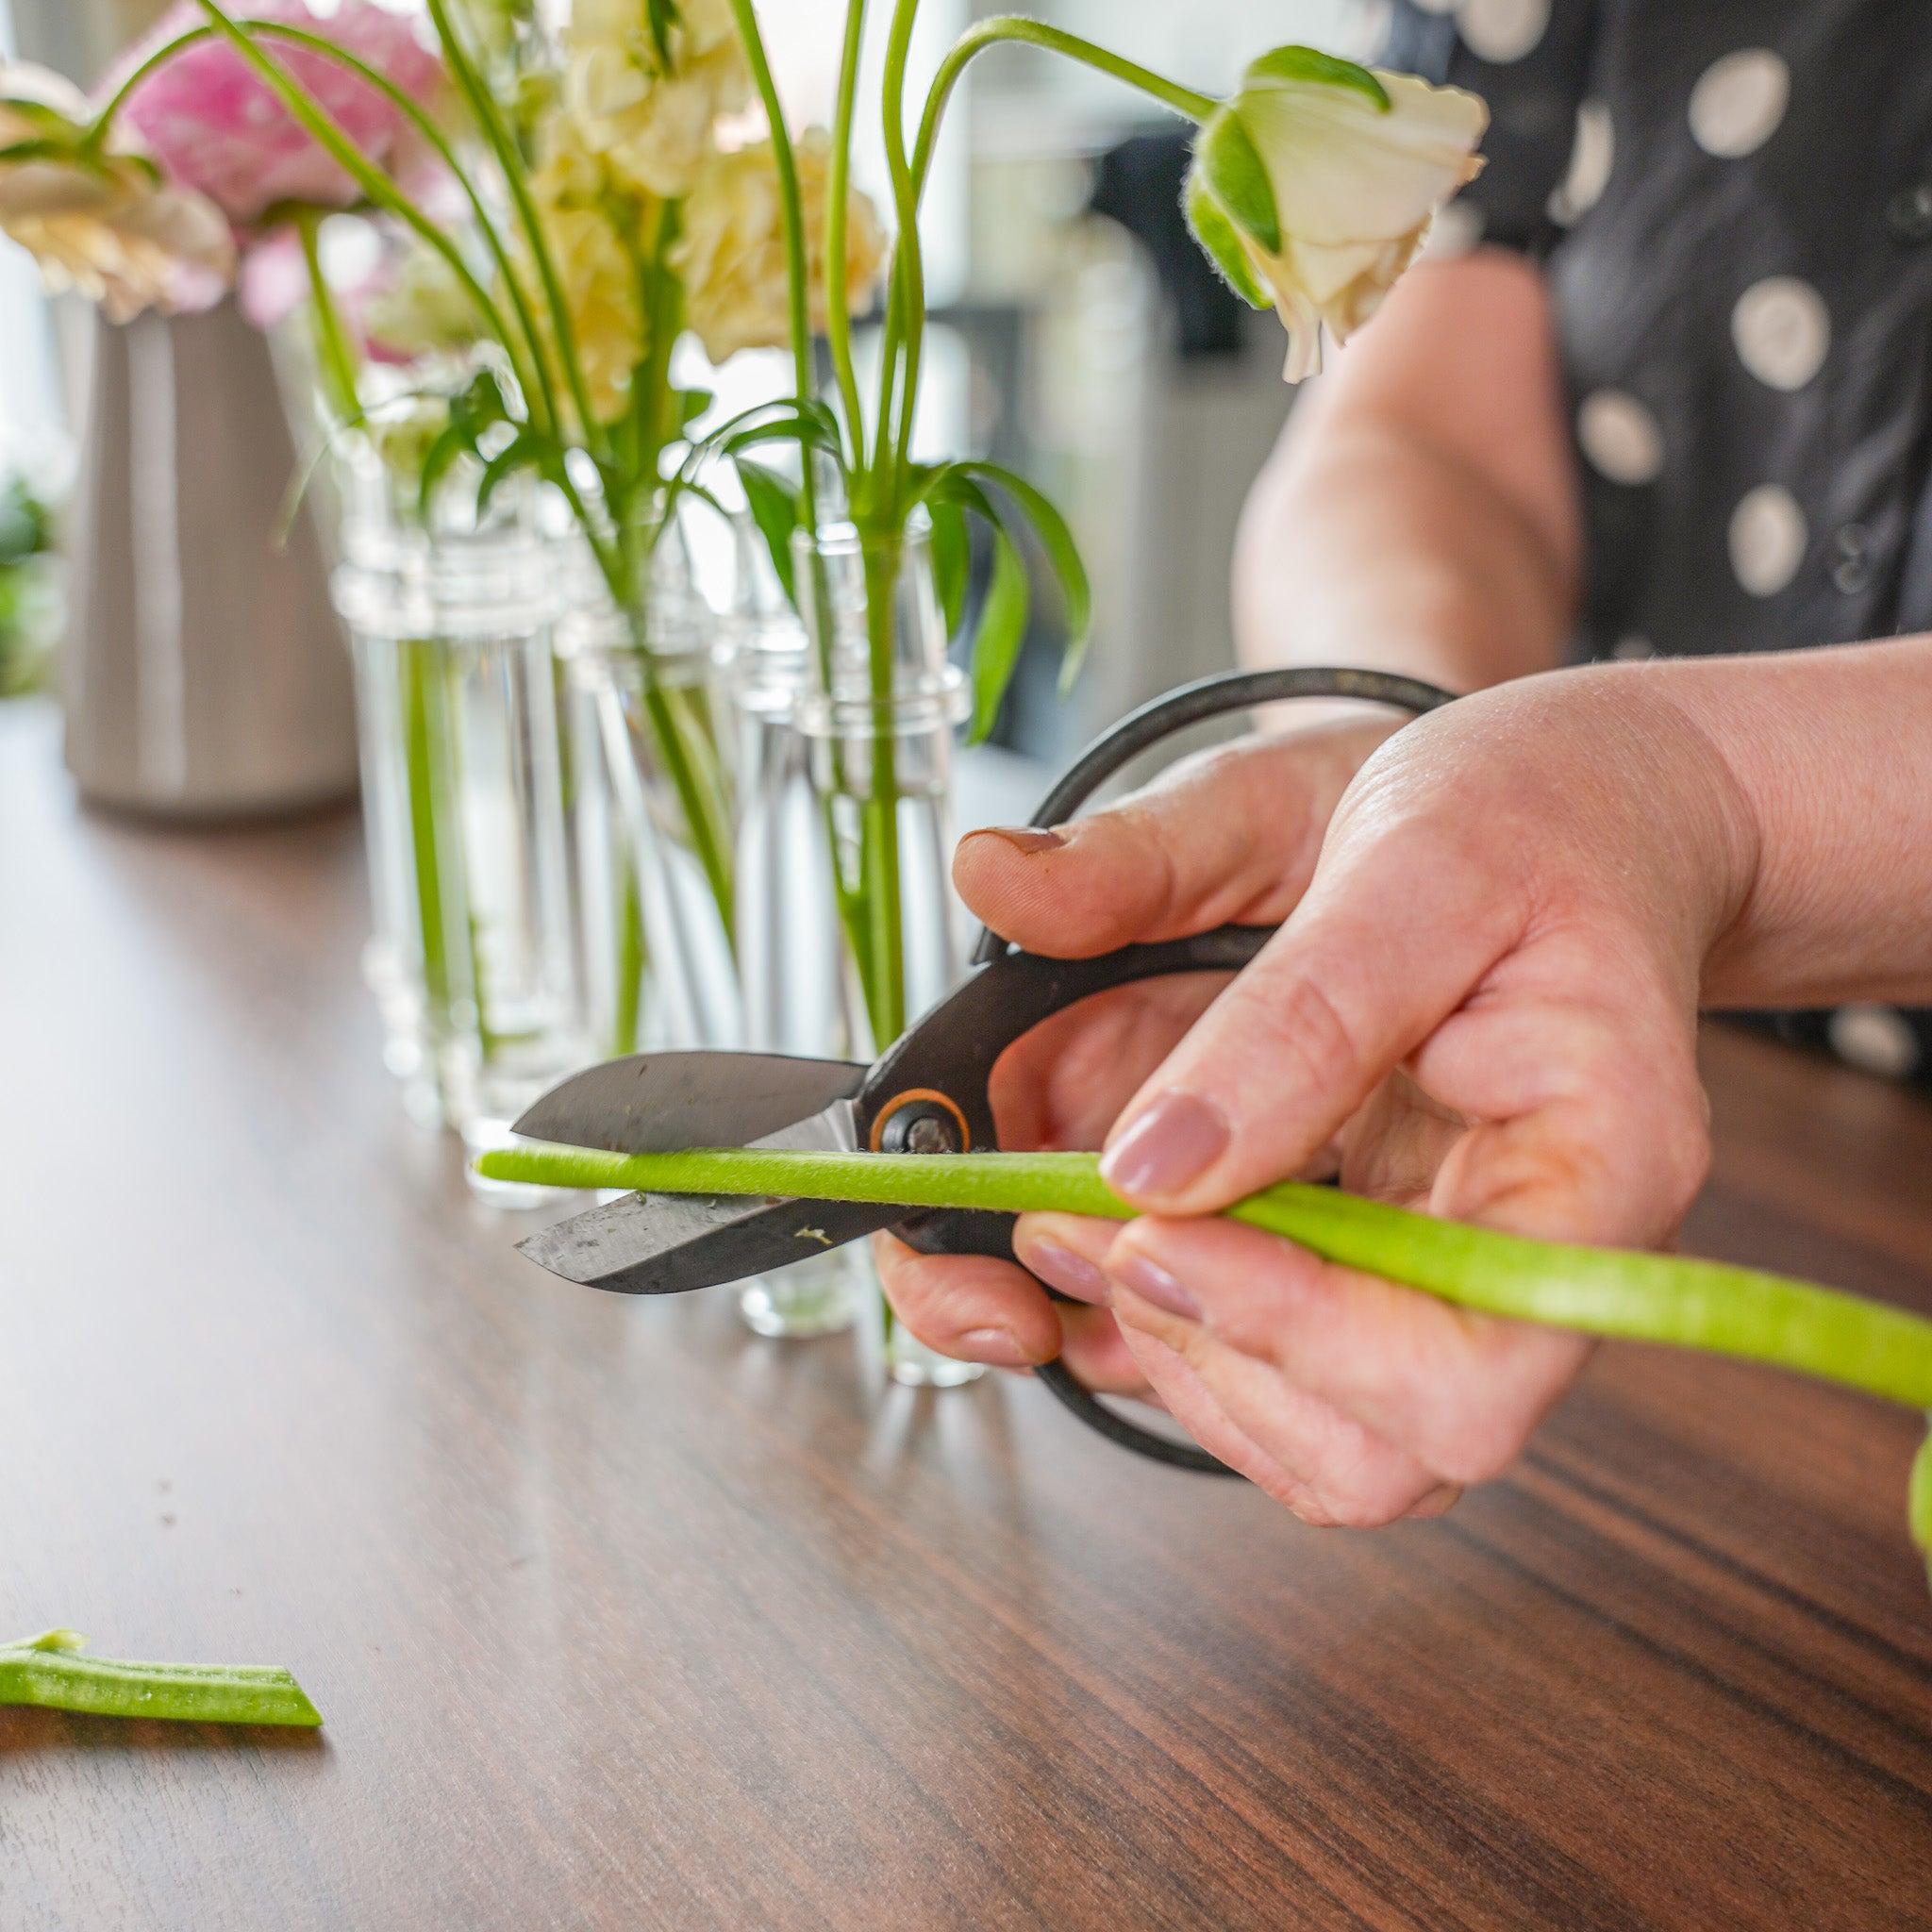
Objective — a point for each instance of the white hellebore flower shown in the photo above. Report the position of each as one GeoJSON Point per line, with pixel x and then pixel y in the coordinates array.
{"type": "Point", "coordinates": [1316, 184]}
{"type": "Point", "coordinates": [101, 222]}
{"type": "Point", "coordinates": [731, 255]}
{"type": "Point", "coordinates": [646, 81]}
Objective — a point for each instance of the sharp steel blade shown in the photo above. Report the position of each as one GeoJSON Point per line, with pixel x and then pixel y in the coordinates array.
{"type": "Point", "coordinates": [657, 1102]}
{"type": "Point", "coordinates": [667, 1243]}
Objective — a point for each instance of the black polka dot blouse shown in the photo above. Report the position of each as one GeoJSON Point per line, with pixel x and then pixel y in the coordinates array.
{"type": "Point", "coordinates": [1732, 202]}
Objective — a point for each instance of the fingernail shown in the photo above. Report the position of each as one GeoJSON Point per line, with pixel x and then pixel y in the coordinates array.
{"type": "Point", "coordinates": [1152, 1283]}
{"type": "Point", "coordinates": [994, 1345]}
{"type": "Point", "coordinates": [1171, 1143]}
{"type": "Point", "coordinates": [1070, 1273]}
{"type": "Point", "coordinates": [1028, 839]}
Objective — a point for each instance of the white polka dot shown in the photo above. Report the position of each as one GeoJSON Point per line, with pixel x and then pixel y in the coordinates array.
{"type": "Point", "coordinates": [1457, 229]}
{"type": "Point", "coordinates": [1782, 329]}
{"type": "Point", "coordinates": [1590, 157]}
{"type": "Point", "coordinates": [1876, 1039]}
{"type": "Point", "coordinates": [1739, 101]}
{"type": "Point", "coordinates": [1768, 539]}
{"type": "Point", "coordinates": [1620, 437]}
{"type": "Point", "coordinates": [1632, 650]}
{"type": "Point", "coordinates": [1502, 30]}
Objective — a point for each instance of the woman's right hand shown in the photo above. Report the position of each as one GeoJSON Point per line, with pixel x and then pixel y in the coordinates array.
{"type": "Point", "coordinates": [1229, 837]}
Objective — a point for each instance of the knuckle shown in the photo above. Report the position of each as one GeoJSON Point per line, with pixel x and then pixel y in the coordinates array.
{"type": "Point", "coordinates": [1304, 1024]}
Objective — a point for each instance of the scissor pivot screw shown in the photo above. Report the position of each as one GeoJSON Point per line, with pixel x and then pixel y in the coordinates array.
{"type": "Point", "coordinates": [920, 1122]}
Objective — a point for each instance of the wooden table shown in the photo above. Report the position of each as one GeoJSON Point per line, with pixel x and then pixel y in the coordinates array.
{"type": "Point", "coordinates": [620, 1617]}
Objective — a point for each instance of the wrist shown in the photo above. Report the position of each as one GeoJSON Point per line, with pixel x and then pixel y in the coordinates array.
{"type": "Point", "coordinates": [1827, 750]}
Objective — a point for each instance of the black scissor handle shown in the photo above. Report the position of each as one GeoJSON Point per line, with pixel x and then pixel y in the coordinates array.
{"type": "Point", "coordinates": [1195, 704]}
{"type": "Point", "coordinates": [952, 1050]}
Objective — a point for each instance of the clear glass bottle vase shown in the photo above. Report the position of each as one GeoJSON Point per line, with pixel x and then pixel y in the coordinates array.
{"type": "Point", "coordinates": [789, 950]}
{"type": "Point", "coordinates": [647, 680]}
{"type": "Point", "coordinates": [451, 623]}
{"type": "Point", "coordinates": [879, 713]}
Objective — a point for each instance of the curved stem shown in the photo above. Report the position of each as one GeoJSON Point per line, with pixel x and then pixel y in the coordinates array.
{"type": "Point", "coordinates": [102, 125]}
{"type": "Point", "coordinates": [374, 183]}
{"type": "Point", "coordinates": [511, 164]}
{"type": "Point", "coordinates": [1642, 1297]}
{"type": "Point", "coordinates": [791, 202]}
{"type": "Point", "coordinates": [905, 304]}
{"type": "Point", "coordinates": [838, 324]}
{"type": "Point", "coordinates": [988, 33]}
{"type": "Point", "coordinates": [1012, 26]}
{"type": "Point", "coordinates": [536, 381]}
{"type": "Point", "coordinates": [335, 361]}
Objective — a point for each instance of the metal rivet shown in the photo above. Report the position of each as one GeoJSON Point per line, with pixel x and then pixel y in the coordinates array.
{"type": "Point", "coordinates": [1908, 214]}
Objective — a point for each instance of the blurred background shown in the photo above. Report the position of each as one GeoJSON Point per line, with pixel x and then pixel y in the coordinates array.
{"type": "Point", "coordinates": [1080, 339]}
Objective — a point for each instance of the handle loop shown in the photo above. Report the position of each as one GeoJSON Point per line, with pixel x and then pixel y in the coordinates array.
{"type": "Point", "coordinates": [1192, 704]}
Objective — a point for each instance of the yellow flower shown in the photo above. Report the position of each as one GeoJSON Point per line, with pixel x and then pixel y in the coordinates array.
{"type": "Point", "coordinates": [1317, 183]}
{"type": "Point", "coordinates": [650, 116]}
{"type": "Point", "coordinates": [576, 202]}
{"type": "Point", "coordinates": [731, 255]}
{"type": "Point", "coordinates": [101, 223]}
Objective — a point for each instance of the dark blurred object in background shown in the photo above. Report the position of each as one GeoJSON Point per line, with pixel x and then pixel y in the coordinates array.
{"type": "Point", "coordinates": [1139, 184]}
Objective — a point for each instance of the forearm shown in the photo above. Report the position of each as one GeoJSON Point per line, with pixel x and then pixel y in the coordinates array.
{"type": "Point", "coordinates": [1420, 514]}
{"type": "Point", "coordinates": [1832, 752]}
{"type": "Point", "coordinates": [1363, 545]}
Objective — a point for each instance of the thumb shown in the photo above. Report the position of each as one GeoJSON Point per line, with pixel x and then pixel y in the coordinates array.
{"type": "Point", "coordinates": [1232, 835]}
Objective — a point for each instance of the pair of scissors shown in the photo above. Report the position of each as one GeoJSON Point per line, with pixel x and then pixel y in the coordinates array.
{"type": "Point", "coordinates": [926, 1093]}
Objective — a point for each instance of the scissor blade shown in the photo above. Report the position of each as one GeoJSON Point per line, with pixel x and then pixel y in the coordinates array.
{"type": "Point", "coordinates": [667, 1243]}
{"type": "Point", "coordinates": [657, 1102]}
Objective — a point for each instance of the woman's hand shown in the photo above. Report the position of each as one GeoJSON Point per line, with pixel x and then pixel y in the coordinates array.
{"type": "Point", "coordinates": [1485, 1002]}
{"type": "Point", "coordinates": [1230, 836]}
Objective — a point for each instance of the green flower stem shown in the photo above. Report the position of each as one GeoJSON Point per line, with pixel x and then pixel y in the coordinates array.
{"type": "Point", "coordinates": [535, 380]}
{"type": "Point", "coordinates": [374, 184]}
{"type": "Point", "coordinates": [1667, 1298]}
{"type": "Point", "coordinates": [883, 940]}
{"type": "Point", "coordinates": [335, 360]}
{"type": "Point", "coordinates": [692, 764]}
{"type": "Point", "coordinates": [905, 309]}
{"type": "Point", "coordinates": [906, 303]}
{"type": "Point", "coordinates": [1032, 33]}
{"type": "Point", "coordinates": [797, 281]}
{"type": "Point", "coordinates": [791, 202]}
{"type": "Point", "coordinates": [1709, 1305]}
{"type": "Point", "coordinates": [435, 847]}
{"type": "Point", "coordinates": [511, 164]}
{"type": "Point", "coordinates": [47, 1672]}
{"type": "Point", "coordinates": [102, 125]}
{"type": "Point", "coordinates": [838, 324]}
{"type": "Point", "coordinates": [630, 959]}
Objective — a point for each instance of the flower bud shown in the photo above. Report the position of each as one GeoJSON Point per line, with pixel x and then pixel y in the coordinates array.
{"type": "Point", "coordinates": [1314, 187]}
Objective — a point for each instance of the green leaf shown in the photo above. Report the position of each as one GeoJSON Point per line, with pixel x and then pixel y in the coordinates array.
{"type": "Point", "coordinates": [775, 510]}
{"type": "Point", "coordinates": [691, 404]}
{"type": "Point", "coordinates": [952, 559]}
{"type": "Point", "coordinates": [1322, 69]}
{"type": "Point", "coordinates": [1221, 242]}
{"type": "Point", "coordinates": [518, 453]}
{"type": "Point", "coordinates": [1055, 538]}
{"type": "Point", "coordinates": [806, 430]}
{"type": "Point", "coordinates": [1227, 154]}
{"type": "Point", "coordinates": [1002, 631]}
{"type": "Point", "coordinates": [448, 447]}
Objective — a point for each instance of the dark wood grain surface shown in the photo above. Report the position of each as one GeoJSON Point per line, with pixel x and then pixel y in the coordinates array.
{"type": "Point", "coordinates": [620, 1617]}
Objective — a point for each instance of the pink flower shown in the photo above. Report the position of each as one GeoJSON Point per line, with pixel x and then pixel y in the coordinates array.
{"type": "Point", "coordinates": [216, 126]}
